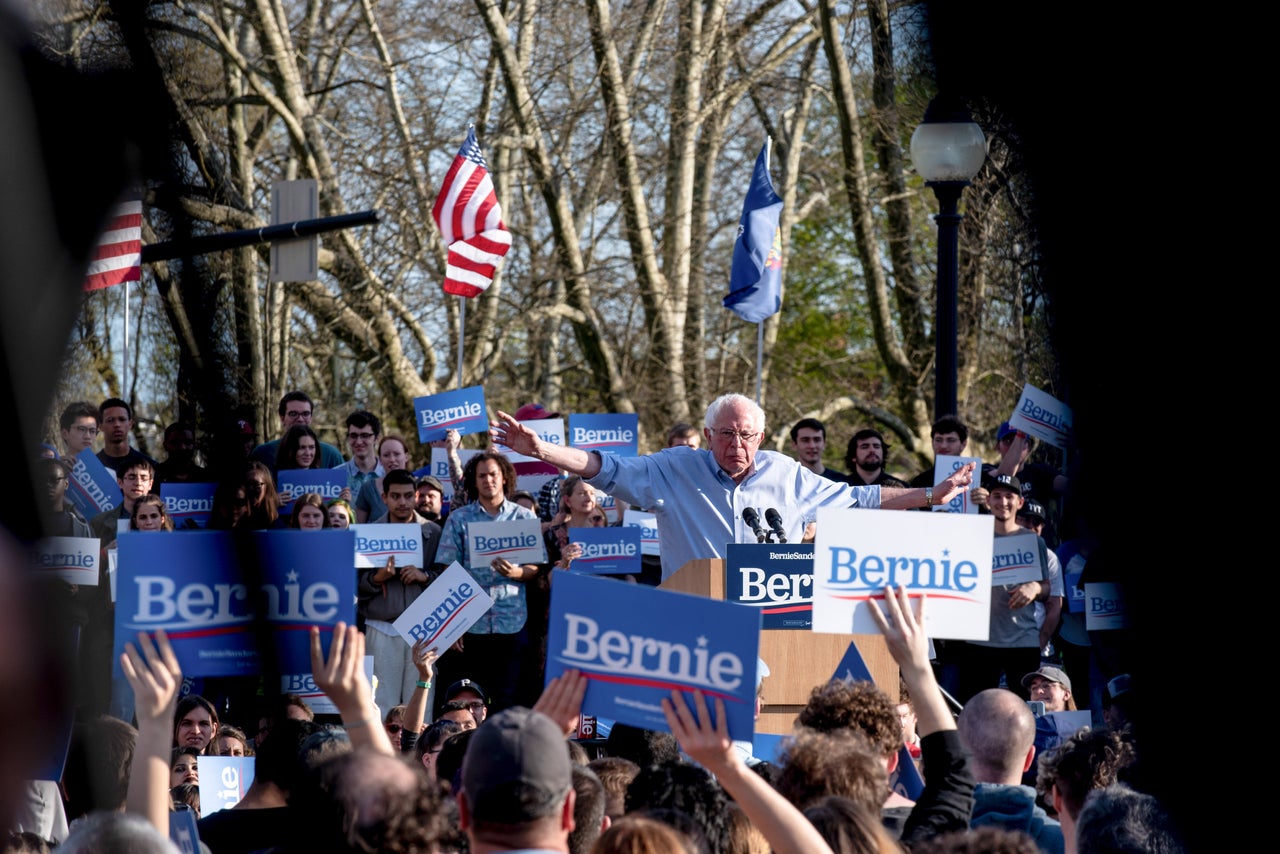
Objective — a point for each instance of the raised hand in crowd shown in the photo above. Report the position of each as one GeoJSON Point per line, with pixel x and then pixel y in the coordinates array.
{"type": "Point", "coordinates": [784, 827]}
{"type": "Point", "coordinates": [561, 700]}
{"type": "Point", "coordinates": [424, 661]}
{"type": "Point", "coordinates": [341, 677]}
{"type": "Point", "coordinates": [153, 673]}
{"type": "Point", "coordinates": [902, 625]}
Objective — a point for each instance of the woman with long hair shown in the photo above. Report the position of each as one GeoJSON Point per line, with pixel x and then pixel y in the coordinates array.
{"type": "Point", "coordinates": [230, 505]}
{"type": "Point", "coordinates": [393, 453]}
{"type": "Point", "coordinates": [299, 449]}
{"type": "Point", "coordinates": [340, 514]}
{"type": "Point", "coordinates": [309, 513]}
{"type": "Point", "coordinates": [264, 501]}
{"type": "Point", "coordinates": [150, 514]}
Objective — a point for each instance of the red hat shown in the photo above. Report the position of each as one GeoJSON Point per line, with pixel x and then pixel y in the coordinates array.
{"type": "Point", "coordinates": [534, 412]}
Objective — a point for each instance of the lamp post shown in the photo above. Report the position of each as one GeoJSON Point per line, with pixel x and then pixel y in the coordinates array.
{"type": "Point", "coordinates": [948, 149]}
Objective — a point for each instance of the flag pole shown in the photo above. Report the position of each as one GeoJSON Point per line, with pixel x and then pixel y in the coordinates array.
{"type": "Point", "coordinates": [759, 360]}
{"type": "Point", "coordinates": [462, 333]}
{"type": "Point", "coordinates": [124, 388]}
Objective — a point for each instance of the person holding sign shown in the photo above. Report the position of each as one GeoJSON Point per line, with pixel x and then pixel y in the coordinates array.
{"type": "Point", "coordinates": [495, 645]}
{"type": "Point", "coordinates": [295, 408]}
{"type": "Point", "coordinates": [384, 593]}
{"type": "Point", "coordinates": [298, 450]}
{"type": "Point", "coordinates": [699, 496]}
{"type": "Point", "coordinates": [1013, 643]}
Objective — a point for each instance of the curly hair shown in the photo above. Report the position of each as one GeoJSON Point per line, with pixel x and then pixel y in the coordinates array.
{"type": "Point", "coordinates": [848, 704]}
{"type": "Point", "coordinates": [688, 789]}
{"type": "Point", "coordinates": [841, 762]}
{"type": "Point", "coordinates": [1090, 759]}
{"type": "Point", "coordinates": [504, 464]}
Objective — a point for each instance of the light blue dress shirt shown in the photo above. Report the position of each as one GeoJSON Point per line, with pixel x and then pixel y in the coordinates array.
{"type": "Point", "coordinates": [509, 612]}
{"type": "Point", "coordinates": [699, 507]}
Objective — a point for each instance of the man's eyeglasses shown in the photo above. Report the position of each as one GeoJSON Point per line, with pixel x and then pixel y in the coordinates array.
{"type": "Point", "coordinates": [298, 414]}
{"type": "Point", "coordinates": [352, 437]}
{"type": "Point", "coordinates": [477, 706]}
{"type": "Point", "coordinates": [746, 436]}
{"type": "Point", "coordinates": [138, 478]}
{"type": "Point", "coordinates": [85, 429]}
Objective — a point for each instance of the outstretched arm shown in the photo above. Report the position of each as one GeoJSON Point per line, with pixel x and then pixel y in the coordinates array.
{"type": "Point", "coordinates": [519, 438]}
{"type": "Point", "coordinates": [153, 673]}
{"type": "Point", "coordinates": [784, 826]}
{"type": "Point", "coordinates": [892, 498]}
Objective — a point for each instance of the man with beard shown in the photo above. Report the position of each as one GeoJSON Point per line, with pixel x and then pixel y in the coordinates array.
{"type": "Point", "coordinates": [809, 441]}
{"type": "Point", "coordinates": [865, 459]}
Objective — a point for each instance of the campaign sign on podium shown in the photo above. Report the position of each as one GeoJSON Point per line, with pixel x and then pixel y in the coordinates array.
{"type": "Point", "coordinates": [636, 645]}
{"type": "Point", "coordinates": [777, 580]}
{"type": "Point", "coordinates": [946, 556]}
{"type": "Point", "coordinates": [193, 587]}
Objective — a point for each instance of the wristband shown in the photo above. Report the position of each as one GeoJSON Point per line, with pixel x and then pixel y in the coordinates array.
{"type": "Point", "coordinates": [355, 724]}
{"type": "Point", "coordinates": [424, 685]}
{"type": "Point", "coordinates": [928, 496]}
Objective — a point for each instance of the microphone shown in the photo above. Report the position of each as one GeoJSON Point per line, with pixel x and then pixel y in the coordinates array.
{"type": "Point", "coordinates": [774, 518]}
{"type": "Point", "coordinates": [752, 518]}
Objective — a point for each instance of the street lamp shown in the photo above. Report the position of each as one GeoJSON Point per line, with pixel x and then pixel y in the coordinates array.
{"type": "Point", "coordinates": [948, 149]}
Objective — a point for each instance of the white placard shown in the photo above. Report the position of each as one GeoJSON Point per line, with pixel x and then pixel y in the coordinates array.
{"type": "Point", "coordinates": [440, 467]}
{"type": "Point", "coordinates": [445, 610]}
{"type": "Point", "coordinates": [516, 540]}
{"type": "Point", "coordinates": [72, 559]}
{"type": "Point", "coordinates": [548, 430]}
{"type": "Point", "coordinates": [315, 698]}
{"type": "Point", "coordinates": [376, 543]}
{"type": "Point", "coordinates": [946, 556]}
{"type": "Point", "coordinates": [1043, 416]}
{"type": "Point", "coordinates": [1104, 607]}
{"type": "Point", "coordinates": [648, 525]}
{"type": "Point", "coordinates": [1016, 559]}
{"type": "Point", "coordinates": [946, 465]}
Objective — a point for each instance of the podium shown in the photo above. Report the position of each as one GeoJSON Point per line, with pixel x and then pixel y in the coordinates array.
{"type": "Point", "coordinates": [798, 659]}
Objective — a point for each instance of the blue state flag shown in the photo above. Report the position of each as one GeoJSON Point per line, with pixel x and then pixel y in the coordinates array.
{"type": "Point", "coordinates": [852, 666]}
{"type": "Point", "coordinates": [755, 281]}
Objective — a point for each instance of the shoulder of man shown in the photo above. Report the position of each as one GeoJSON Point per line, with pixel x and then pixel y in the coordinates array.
{"type": "Point", "coordinates": [330, 457]}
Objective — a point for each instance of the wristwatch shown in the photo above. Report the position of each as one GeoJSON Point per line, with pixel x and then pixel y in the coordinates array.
{"type": "Point", "coordinates": [928, 496]}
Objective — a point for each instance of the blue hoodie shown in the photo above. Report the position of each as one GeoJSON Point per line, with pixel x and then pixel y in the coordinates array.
{"type": "Point", "coordinates": [1014, 808]}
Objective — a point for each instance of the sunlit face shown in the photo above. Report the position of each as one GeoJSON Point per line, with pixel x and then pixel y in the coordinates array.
{"type": "Point", "coordinates": [306, 454]}
{"type": "Point", "coordinates": [360, 439]}
{"type": "Point", "coordinates": [474, 702]}
{"type": "Point", "coordinates": [135, 484]}
{"type": "Point", "coordinates": [80, 435]}
{"type": "Point", "coordinates": [339, 517]}
{"type": "Point", "coordinates": [229, 745]}
{"type": "Point", "coordinates": [148, 517]}
{"type": "Point", "coordinates": [489, 482]}
{"type": "Point", "coordinates": [869, 453]}
{"type": "Point", "coordinates": [734, 439]}
{"type": "Point", "coordinates": [400, 499]}
{"type": "Point", "coordinates": [583, 499]}
{"type": "Point", "coordinates": [1052, 694]}
{"type": "Point", "coordinates": [908, 720]}
{"type": "Point", "coordinates": [809, 445]}
{"type": "Point", "coordinates": [393, 455]}
{"type": "Point", "coordinates": [948, 444]}
{"type": "Point", "coordinates": [183, 770]}
{"type": "Point", "coordinates": [1004, 503]}
{"type": "Point", "coordinates": [196, 729]}
{"type": "Point", "coordinates": [310, 518]}
{"type": "Point", "coordinates": [115, 425]}
{"type": "Point", "coordinates": [295, 412]}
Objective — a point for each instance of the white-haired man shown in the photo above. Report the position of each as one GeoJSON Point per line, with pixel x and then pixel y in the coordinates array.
{"type": "Point", "coordinates": [699, 495]}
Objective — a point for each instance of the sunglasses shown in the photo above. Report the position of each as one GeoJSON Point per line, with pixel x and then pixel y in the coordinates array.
{"type": "Point", "coordinates": [394, 728]}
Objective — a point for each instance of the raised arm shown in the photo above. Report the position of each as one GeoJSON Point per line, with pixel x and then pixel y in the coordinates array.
{"type": "Point", "coordinates": [519, 438]}
{"type": "Point", "coordinates": [415, 712]}
{"type": "Point", "coordinates": [784, 827]}
{"type": "Point", "coordinates": [342, 678]}
{"type": "Point", "coordinates": [154, 675]}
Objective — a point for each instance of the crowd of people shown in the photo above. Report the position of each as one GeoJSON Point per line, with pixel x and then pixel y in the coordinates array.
{"type": "Point", "coordinates": [491, 762]}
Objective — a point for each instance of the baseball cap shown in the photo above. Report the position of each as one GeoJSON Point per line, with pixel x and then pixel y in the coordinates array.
{"type": "Point", "coordinates": [465, 685]}
{"type": "Point", "coordinates": [516, 749]}
{"type": "Point", "coordinates": [1005, 481]}
{"type": "Point", "coordinates": [1004, 430]}
{"type": "Point", "coordinates": [245, 428]}
{"type": "Point", "coordinates": [428, 480]}
{"type": "Point", "coordinates": [1053, 674]}
{"type": "Point", "coordinates": [1033, 508]}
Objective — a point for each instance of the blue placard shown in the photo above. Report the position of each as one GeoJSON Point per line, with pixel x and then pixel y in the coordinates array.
{"type": "Point", "coordinates": [193, 587]}
{"type": "Point", "coordinates": [327, 483]}
{"type": "Point", "coordinates": [611, 433]}
{"type": "Point", "coordinates": [224, 780]}
{"type": "Point", "coordinates": [906, 780]}
{"type": "Point", "coordinates": [1071, 574]}
{"type": "Point", "coordinates": [606, 551]}
{"type": "Point", "coordinates": [637, 644]}
{"type": "Point", "coordinates": [462, 410]}
{"type": "Point", "coordinates": [183, 831]}
{"type": "Point", "coordinates": [189, 504]}
{"type": "Point", "coordinates": [777, 580]}
{"type": "Point", "coordinates": [92, 487]}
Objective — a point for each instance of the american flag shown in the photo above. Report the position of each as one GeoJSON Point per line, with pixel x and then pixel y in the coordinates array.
{"type": "Point", "coordinates": [118, 256]}
{"type": "Point", "coordinates": [470, 221]}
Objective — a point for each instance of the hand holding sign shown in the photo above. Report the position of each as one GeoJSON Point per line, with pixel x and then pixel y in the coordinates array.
{"type": "Point", "coordinates": [424, 660]}
{"type": "Point", "coordinates": [956, 483]}
{"type": "Point", "coordinates": [1023, 595]}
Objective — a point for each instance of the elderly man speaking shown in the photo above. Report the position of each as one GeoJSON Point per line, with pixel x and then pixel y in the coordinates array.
{"type": "Point", "coordinates": [699, 495]}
